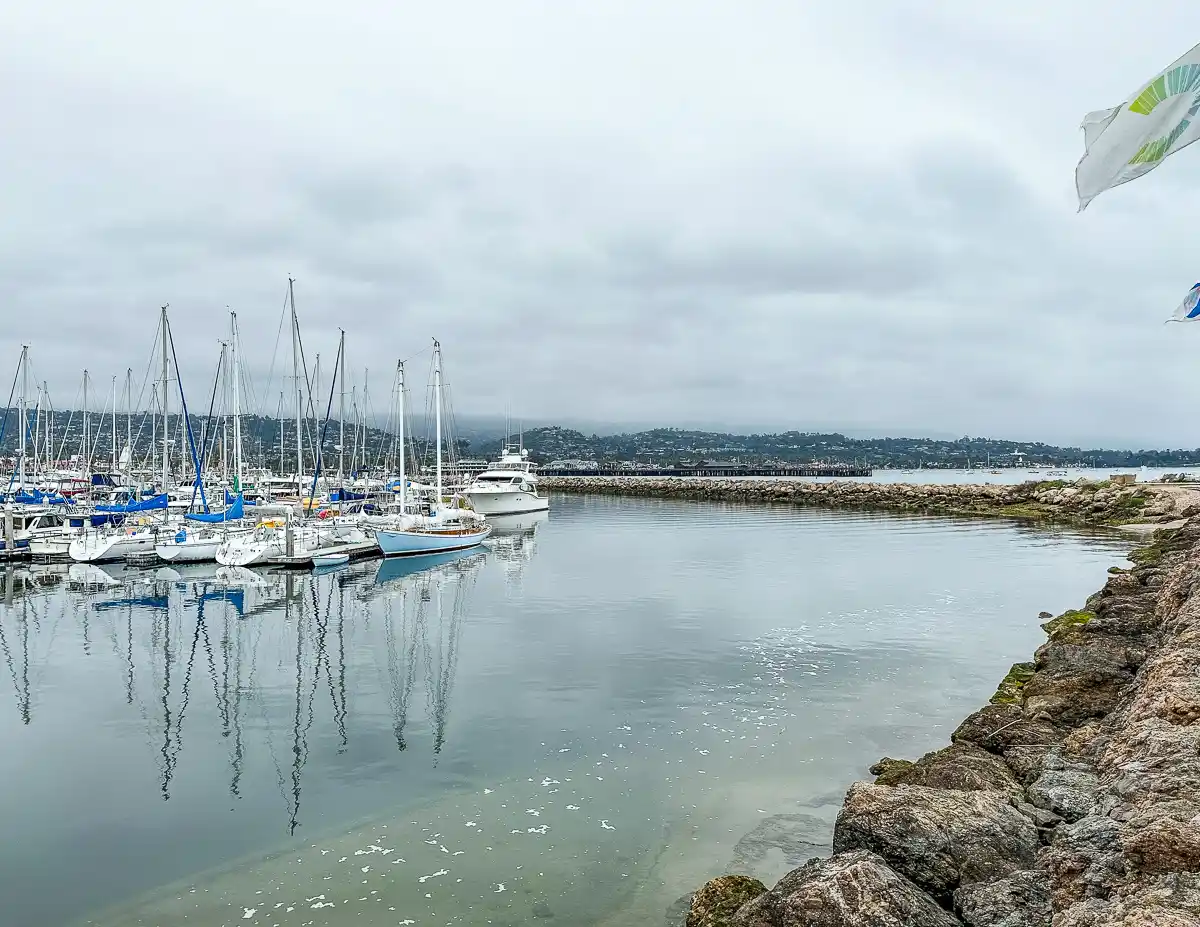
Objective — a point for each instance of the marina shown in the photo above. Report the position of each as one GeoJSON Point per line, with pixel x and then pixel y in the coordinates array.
{"type": "Point", "coordinates": [199, 501]}
{"type": "Point", "coordinates": [281, 735]}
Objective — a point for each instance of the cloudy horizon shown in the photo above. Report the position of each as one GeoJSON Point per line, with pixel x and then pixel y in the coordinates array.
{"type": "Point", "coordinates": [761, 215]}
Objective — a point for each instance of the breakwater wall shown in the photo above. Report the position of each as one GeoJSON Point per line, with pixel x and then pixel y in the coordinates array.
{"type": "Point", "coordinates": [1072, 799]}
{"type": "Point", "coordinates": [1082, 501]}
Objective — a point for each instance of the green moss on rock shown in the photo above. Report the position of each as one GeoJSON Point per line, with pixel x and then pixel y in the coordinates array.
{"type": "Point", "coordinates": [889, 771]}
{"type": "Point", "coordinates": [716, 903]}
{"type": "Point", "coordinates": [1160, 544]}
{"type": "Point", "coordinates": [1009, 690]}
{"type": "Point", "coordinates": [1071, 618]}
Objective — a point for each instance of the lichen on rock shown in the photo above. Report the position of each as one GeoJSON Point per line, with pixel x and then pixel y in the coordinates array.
{"type": "Point", "coordinates": [1009, 690]}
{"type": "Point", "coordinates": [719, 899]}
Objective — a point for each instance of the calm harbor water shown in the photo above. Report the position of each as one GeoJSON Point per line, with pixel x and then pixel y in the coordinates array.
{"type": "Point", "coordinates": [575, 726]}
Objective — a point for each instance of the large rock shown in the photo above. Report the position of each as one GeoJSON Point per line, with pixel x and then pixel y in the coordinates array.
{"type": "Point", "coordinates": [1164, 846]}
{"type": "Point", "coordinates": [1073, 695]}
{"type": "Point", "coordinates": [720, 898]}
{"type": "Point", "coordinates": [849, 890]}
{"type": "Point", "coordinates": [1084, 861]}
{"type": "Point", "coordinates": [1021, 900]}
{"type": "Point", "coordinates": [961, 766]}
{"type": "Point", "coordinates": [997, 727]}
{"type": "Point", "coordinates": [938, 838]}
{"type": "Point", "coordinates": [1070, 790]}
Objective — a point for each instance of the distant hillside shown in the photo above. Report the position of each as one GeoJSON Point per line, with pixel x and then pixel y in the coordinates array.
{"type": "Point", "coordinates": [662, 446]}
{"type": "Point", "coordinates": [670, 445]}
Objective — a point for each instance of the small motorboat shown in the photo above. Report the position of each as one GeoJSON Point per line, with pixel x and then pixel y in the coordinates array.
{"type": "Point", "coordinates": [330, 560]}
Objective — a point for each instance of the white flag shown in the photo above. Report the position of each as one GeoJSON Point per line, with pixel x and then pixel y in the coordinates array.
{"type": "Point", "coordinates": [1127, 141]}
{"type": "Point", "coordinates": [1189, 309]}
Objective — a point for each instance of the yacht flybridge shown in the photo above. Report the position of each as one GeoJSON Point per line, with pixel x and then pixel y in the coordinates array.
{"type": "Point", "coordinates": [508, 486]}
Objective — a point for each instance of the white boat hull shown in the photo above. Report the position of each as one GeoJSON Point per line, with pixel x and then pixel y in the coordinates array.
{"type": "Point", "coordinates": [193, 550]}
{"type": "Point", "coordinates": [245, 552]}
{"type": "Point", "coordinates": [421, 543]}
{"type": "Point", "coordinates": [51, 545]}
{"type": "Point", "coordinates": [509, 502]}
{"type": "Point", "coordinates": [105, 548]}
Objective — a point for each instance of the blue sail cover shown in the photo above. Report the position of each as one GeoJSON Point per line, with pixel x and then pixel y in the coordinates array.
{"type": "Point", "coordinates": [37, 497]}
{"type": "Point", "coordinates": [233, 513]}
{"type": "Point", "coordinates": [230, 498]}
{"type": "Point", "coordinates": [146, 505]}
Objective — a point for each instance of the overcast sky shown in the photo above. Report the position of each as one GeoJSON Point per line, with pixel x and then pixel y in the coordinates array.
{"type": "Point", "coordinates": [764, 214]}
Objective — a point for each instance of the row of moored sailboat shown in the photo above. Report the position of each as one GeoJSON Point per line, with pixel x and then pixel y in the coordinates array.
{"type": "Point", "coordinates": [315, 516]}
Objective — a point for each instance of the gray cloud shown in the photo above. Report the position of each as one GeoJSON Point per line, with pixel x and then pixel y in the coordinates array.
{"type": "Point", "coordinates": [764, 215]}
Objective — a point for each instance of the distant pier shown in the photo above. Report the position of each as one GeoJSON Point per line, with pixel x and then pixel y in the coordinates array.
{"type": "Point", "coordinates": [810, 472]}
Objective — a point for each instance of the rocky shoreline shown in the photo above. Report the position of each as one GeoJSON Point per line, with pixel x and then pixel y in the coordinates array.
{"type": "Point", "coordinates": [1079, 502]}
{"type": "Point", "coordinates": [1072, 799]}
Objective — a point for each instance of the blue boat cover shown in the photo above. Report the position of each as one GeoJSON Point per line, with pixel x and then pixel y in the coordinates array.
{"type": "Point", "coordinates": [233, 513]}
{"type": "Point", "coordinates": [154, 502]}
{"type": "Point", "coordinates": [37, 497]}
{"type": "Point", "coordinates": [230, 498]}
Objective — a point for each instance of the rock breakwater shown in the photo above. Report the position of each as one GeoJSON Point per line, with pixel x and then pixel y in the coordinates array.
{"type": "Point", "coordinates": [1080, 502]}
{"type": "Point", "coordinates": [1071, 800]}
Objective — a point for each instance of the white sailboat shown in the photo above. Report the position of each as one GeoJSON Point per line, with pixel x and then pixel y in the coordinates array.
{"type": "Point", "coordinates": [139, 533]}
{"type": "Point", "coordinates": [448, 527]}
{"type": "Point", "coordinates": [201, 536]}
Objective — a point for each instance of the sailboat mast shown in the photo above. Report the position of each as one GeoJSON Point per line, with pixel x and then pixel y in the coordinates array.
{"type": "Point", "coordinates": [49, 423]}
{"type": "Point", "coordinates": [129, 416]}
{"type": "Point", "coordinates": [237, 403]}
{"type": "Point", "coordinates": [153, 425]}
{"type": "Point", "coordinates": [37, 434]}
{"type": "Point", "coordinates": [166, 376]}
{"type": "Point", "coordinates": [24, 408]}
{"type": "Point", "coordinates": [87, 430]}
{"type": "Point", "coordinates": [299, 391]}
{"type": "Point", "coordinates": [400, 435]}
{"type": "Point", "coordinates": [342, 413]}
{"type": "Point", "coordinates": [437, 414]}
{"type": "Point", "coordinates": [224, 414]}
{"type": "Point", "coordinates": [113, 419]}
{"type": "Point", "coordinates": [281, 463]}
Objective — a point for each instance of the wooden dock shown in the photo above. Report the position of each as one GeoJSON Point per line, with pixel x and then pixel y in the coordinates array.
{"type": "Point", "coordinates": [359, 550]}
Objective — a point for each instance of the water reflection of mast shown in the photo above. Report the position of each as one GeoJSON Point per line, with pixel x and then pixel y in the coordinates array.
{"type": "Point", "coordinates": [401, 685]}
{"type": "Point", "coordinates": [20, 684]}
{"type": "Point", "coordinates": [440, 678]}
{"type": "Point", "coordinates": [173, 743]}
{"type": "Point", "coordinates": [300, 730]}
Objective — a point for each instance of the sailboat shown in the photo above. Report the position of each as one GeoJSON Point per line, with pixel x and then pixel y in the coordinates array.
{"type": "Point", "coordinates": [134, 535]}
{"type": "Point", "coordinates": [203, 533]}
{"type": "Point", "coordinates": [273, 538]}
{"type": "Point", "coordinates": [284, 540]}
{"type": "Point", "coordinates": [448, 527]}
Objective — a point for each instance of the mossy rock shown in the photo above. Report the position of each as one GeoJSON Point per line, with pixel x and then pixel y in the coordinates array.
{"type": "Point", "coordinates": [889, 771]}
{"type": "Point", "coordinates": [1009, 690]}
{"type": "Point", "coordinates": [716, 903]}
{"type": "Point", "coordinates": [1029, 511]}
{"type": "Point", "coordinates": [1071, 618]}
{"type": "Point", "coordinates": [1160, 545]}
